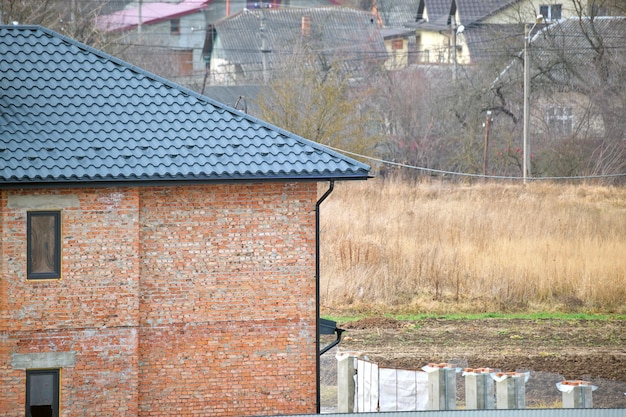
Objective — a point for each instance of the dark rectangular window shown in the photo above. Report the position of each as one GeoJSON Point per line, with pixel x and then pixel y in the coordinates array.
{"type": "Point", "coordinates": [175, 26]}
{"type": "Point", "coordinates": [43, 253]}
{"type": "Point", "coordinates": [42, 393]}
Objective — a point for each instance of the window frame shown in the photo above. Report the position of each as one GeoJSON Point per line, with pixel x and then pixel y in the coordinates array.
{"type": "Point", "coordinates": [560, 119]}
{"type": "Point", "coordinates": [551, 9]}
{"type": "Point", "coordinates": [175, 26]}
{"type": "Point", "coordinates": [56, 273]}
{"type": "Point", "coordinates": [56, 389]}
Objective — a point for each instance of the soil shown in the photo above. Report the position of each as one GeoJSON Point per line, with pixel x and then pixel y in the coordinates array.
{"type": "Point", "coordinates": [551, 350]}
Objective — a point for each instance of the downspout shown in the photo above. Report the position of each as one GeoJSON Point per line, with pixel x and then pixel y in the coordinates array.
{"type": "Point", "coordinates": [317, 292]}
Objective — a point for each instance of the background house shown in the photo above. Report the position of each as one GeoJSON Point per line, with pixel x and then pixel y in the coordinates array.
{"type": "Point", "coordinates": [399, 41]}
{"type": "Point", "coordinates": [249, 44]}
{"type": "Point", "coordinates": [476, 27]}
{"type": "Point", "coordinates": [576, 66]}
{"type": "Point", "coordinates": [158, 249]}
{"type": "Point", "coordinates": [167, 37]}
{"type": "Point", "coordinates": [163, 37]}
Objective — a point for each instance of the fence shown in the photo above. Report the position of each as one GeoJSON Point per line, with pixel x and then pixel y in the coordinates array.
{"type": "Point", "coordinates": [377, 389]}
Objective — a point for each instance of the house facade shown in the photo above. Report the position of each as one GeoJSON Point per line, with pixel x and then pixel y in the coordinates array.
{"type": "Point", "coordinates": [158, 249]}
{"type": "Point", "coordinates": [167, 37]}
{"type": "Point", "coordinates": [164, 37]}
{"type": "Point", "coordinates": [463, 31]}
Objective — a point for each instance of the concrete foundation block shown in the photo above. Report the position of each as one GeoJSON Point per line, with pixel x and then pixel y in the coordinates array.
{"type": "Point", "coordinates": [510, 390]}
{"type": "Point", "coordinates": [479, 389]}
{"type": "Point", "coordinates": [577, 394]}
{"type": "Point", "coordinates": [441, 386]}
{"type": "Point", "coordinates": [345, 384]}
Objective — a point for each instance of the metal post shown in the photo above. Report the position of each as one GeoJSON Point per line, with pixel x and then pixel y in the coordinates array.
{"type": "Point", "coordinates": [486, 150]}
{"type": "Point", "coordinates": [526, 159]}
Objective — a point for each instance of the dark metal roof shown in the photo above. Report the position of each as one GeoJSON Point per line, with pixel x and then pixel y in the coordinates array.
{"type": "Point", "coordinates": [72, 114]}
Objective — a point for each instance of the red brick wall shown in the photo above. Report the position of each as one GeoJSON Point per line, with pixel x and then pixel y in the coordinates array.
{"type": "Point", "coordinates": [92, 310]}
{"type": "Point", "coordinates": [176, 300]}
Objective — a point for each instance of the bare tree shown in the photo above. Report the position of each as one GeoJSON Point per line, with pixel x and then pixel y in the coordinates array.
{"type": "Point", "coordinates": [73, 18]}
{"type": "Point", "coordinates": [578, 85]}
{"type": "Point", "coordinates": [321, 105]}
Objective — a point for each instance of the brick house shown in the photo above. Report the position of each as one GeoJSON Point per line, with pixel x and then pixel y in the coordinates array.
{"type": "Point", "coordinates": [159, 250]}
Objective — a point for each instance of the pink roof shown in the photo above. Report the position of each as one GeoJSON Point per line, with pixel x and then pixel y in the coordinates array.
{"type": "Point", "coordinates": [150, 13]}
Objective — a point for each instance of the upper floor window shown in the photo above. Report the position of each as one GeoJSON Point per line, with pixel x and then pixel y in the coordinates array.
{"type": "Point", "coordinates": [43, 249]}
{"type": "Point", "coordinates": [175, 26]}
{"type": "Point", "coordinates": [550, 12]}
{"type": "Point", "coordinates": [560, 120]}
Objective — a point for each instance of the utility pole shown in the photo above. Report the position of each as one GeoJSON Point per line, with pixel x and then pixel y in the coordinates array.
{"type": "Point", "coordinates": [264, 48]}
{"type": "Point", "coordinates": [526, 148]}
{"type": "Point", "coordinates": [486, 150]}
{"type": "Point", "coordinates": [73, 15]}
{"type": "Point", "coordinates": [139, 17]}
{"type": "Point", "coordinates": [453, 29]}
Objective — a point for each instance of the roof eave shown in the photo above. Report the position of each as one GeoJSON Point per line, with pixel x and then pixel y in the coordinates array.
{"type": "Point", "coordinates": [169, 182]}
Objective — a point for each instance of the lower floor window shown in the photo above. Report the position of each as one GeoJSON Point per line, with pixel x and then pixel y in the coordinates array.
{"type": "Point", "coordinates": [42, 393]}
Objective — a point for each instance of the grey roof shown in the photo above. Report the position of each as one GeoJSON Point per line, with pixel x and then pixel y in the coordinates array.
{"type": "Point", "coordinates": [438, 11]}
{"type": "Point", "coordinates": [395, 13]}
{"type": "Point", "coordinates": [470, 12]}
{"type": "Point", "coordinates": [494, 41]}
{"type": "Point", "coordinates": [474, 11]}
{"type": "Point", "coordinates": [570, 40]}
{"type": "Point", "coordinates": [335, 32]}
{"type": "Point", "coordinates": [240, 97]}
{"type": "Point", "coordinates": [561, 53]}
{"type": "Point", "coordinates": [72, 114]}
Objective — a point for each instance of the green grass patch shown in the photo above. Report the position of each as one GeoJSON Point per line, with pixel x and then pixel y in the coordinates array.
{"type": "Point", "coordinates": [482, 316]}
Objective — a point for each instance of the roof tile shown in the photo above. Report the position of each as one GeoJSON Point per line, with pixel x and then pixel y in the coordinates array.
{"type": "Point", "coordinates": [70, 113]}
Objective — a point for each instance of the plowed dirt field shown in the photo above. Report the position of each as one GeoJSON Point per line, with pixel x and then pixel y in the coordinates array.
{"type": "Point", "coordinates": [551, 350]}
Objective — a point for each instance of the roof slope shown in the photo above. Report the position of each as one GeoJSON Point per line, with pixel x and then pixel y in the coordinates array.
{"type": "Point", "coordinates": [473, 11]}
{"type": "Point", "coordinates": [395, 13]}
{"type": "Point", "coordinates": [582, 51]}
{"type": "Point", "coordinates": [70, 113]}
{"type": "Point", "coordinates": [331, 32]}
{"type": "Point", "coordinates": [576, 52]}
{"type": "Point", "coordinates": [151, 13]}
{"type": "Point", "coordinates": [470, 12]}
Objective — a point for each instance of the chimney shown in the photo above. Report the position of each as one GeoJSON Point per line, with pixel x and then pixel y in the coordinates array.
{"type": "Point", "coordinates": [306, 26]}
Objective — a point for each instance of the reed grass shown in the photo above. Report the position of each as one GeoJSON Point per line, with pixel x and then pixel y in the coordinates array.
{"type": "Point", "coordinates": [393, 246]}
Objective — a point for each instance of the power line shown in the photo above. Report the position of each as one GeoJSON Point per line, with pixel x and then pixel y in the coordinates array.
{"type": "Point", "coordinates": [465, 174]}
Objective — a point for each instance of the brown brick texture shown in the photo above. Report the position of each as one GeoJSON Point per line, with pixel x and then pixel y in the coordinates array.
{"type": "Point", "coordinates": [177, 300]}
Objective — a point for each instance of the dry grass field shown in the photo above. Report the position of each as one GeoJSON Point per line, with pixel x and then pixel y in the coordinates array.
{"type": "Point", "coordinates": [391, 246]}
